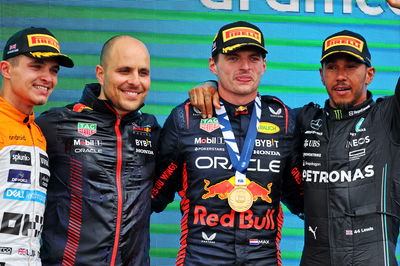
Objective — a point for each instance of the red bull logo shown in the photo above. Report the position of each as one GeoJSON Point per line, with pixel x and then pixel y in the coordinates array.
{"type": "Point", "coordinates": [144, 129]}
{"type": "Point", "coordinates": [222, 189]}
{"type": "Point", "coordinates": [247, 219]}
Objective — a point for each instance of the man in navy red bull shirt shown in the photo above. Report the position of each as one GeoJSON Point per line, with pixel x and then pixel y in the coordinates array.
{"type": "Point", "coordinates": [231, 170]}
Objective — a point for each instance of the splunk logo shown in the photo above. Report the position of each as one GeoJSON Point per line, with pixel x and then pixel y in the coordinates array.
{"type": "Point", "coordinates": [20, 157]}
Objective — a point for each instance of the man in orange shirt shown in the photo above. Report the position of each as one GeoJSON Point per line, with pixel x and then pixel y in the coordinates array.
{"type": "Point", "coordinates": [31, 61]}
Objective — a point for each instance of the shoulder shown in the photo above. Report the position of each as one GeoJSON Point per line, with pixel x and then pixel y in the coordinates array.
{"type": "Point", "coordinates": [149, 120]}
{"type": "Point", "coordinates": [308, 110]}
{"type": "Point", "coordinates": [49, 115]}
{"type": "Point", "coordinates": [183, 115]}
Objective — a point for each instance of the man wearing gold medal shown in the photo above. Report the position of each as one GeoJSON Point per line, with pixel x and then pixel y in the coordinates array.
{"type": "Point", "coordinates": [231, 170]}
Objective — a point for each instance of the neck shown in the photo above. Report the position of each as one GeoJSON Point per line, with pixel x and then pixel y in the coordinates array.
{"type": "Point", "coordinates": [238, 99]}
{"type": "Point", "coordinates": [16, 102]}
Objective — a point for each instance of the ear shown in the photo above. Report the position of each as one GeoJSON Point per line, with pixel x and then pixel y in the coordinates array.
{"type": "Point", "coordinates": [321, 73]}
{"type": "Point", "coordinates": [100, 74]}
{"type": "Point", "coordinates": [370, 75]}
{"type": "Point", "coordinates": [212, 66]}
{"type": "Point", "coordinates": [5, 69]}
{"type": "Point", "coordinates": [265, 64]}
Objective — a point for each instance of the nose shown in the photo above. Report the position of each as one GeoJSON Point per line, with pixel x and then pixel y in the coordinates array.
{"type": "Point", "coordinates": [46, 76]}
{"type": "Point", "coordinates": [341, 74]}
{"type": "Point", "coordinates": [133, 79]}
{"type": "Point", "coordinates": [245, 64]}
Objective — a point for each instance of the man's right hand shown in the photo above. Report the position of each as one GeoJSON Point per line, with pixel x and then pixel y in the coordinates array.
{"type": "Point", "coordinates": [204, 97]}
{"type": "Point", "coordinates": [394, 3]}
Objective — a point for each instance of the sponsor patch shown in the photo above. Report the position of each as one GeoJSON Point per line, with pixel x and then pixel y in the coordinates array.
{"type": "Point", "coordinates": [24, 195]}
{"type": "Point", "coordinates": [88, 142]}
{"type": "Point", "coordinates": [44, 161]}
{"type": "Point", "coordinates": [20, 157]}
{"type": "Point", "coordinates": [268, 128]}
{"type": "Point", "coordinates": [253, 242]}
{"type": "Point", "coordinates": [256, 242]}
{"type": "Point", "coordinates": [344, 40]}
{"type": "Point", "coordinates": [241, 32]}
{"type": "Point", "coordinates": [142, 129]}
{"type": "Point", "coordinates": [208, 239]}
{"type": "Point", "coordinates": [19, 176]}
{"type": "Point", "coordinates": [277, 113]}
{"type": "Point", "coordinates": [209, 124]}
{"type": "Point", "coordinates": [17, 138]}
{"type": "Point", "coordinates": [5, 250]}
{"type": "Point", "coordinates": [43, 40]}
{"type": "Point", "coordinates": [44, 180]}
{"type": "Point", "coordinates": [358, 125]}
{"type": "Point", "coordinates": [313, 231]}
{"type": "Point", "coordinates": [87, 129]}
{"type": "Point", "coordinates": [316, 124]}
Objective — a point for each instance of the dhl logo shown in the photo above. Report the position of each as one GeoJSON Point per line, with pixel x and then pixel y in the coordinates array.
{"type": "Point", "coordinates": [222, 189]}
{"type": "Point", "coordinates": [268, 128]}
{"type": "Point", "coordinates": [43, 40]}
{"type": "Point", "coordinates": [241, 32]}
{"type": "Point", "coordinates": [344, 40]}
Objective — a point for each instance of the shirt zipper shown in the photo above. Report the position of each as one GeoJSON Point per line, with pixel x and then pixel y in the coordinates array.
{"type": "Point", "coordinates": [119, 191]}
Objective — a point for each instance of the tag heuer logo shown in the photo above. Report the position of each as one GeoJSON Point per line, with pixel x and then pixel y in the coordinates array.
{"type": "Point", "coordinates": [87, 129]}
{"type": "Point", "coordinates": [209, 124]}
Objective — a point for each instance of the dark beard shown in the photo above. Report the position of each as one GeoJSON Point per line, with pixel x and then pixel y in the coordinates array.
{"type": "Point", "coordinates": [344, 105]}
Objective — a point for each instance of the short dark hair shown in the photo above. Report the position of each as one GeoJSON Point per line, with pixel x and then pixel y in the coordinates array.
{"type": "Point", "coordinates": [106, 49]}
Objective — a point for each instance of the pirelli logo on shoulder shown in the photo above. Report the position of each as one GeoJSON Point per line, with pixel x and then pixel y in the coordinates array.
{"type": "Point", "coordinates": [43, 40]}
{"type": "Point", "coordinates": [241, 32]}
{"type": "Point", "coordinates": [344, 40]}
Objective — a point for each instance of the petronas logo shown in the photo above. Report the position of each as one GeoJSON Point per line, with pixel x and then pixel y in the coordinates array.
{"type": "Point", "coordinates": [338, 114]}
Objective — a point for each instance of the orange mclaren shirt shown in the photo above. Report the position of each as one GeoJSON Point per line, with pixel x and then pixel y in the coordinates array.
{"type": "Point", "coordinates": [24, 175]}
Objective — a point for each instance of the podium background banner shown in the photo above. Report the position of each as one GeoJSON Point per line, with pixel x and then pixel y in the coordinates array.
{"type": "Point", "coordinates": [179, 33]}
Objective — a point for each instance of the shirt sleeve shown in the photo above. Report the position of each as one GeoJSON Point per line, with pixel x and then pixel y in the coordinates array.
{"type": "Point", "coordinates": [292, 186]}
{"type": "Point", "coordinates": [395, 128]}
{"type": "Point", "coordinates": [169, 167]}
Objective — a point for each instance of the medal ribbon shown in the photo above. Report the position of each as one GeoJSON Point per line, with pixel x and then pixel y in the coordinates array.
{"type": "Point", "coordinates": [240, 162]}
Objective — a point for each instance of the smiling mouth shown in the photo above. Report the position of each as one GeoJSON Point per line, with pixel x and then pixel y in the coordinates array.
{"type": "Point", "coordinates": [42, 88]}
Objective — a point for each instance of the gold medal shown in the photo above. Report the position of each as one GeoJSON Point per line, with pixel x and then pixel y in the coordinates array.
{"type": "Point", "coordinates": [240, 199]}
